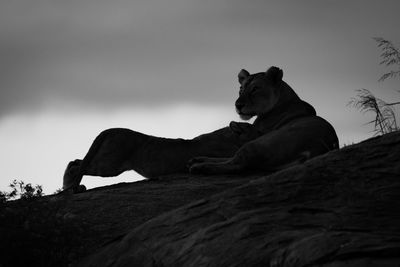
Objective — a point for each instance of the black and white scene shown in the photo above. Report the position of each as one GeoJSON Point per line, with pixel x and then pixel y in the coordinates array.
{"type": "Point", "coordinates": [200, 133]}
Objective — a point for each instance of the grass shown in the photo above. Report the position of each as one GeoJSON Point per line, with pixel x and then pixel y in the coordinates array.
{"type": "Point", "coordinates": [385, 120]}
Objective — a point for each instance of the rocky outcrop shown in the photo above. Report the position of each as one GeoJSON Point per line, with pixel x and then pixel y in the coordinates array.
{"type": "Point", "coordinates": [60, 230]}
{"type": "Point", "coordinates": [340, 209]}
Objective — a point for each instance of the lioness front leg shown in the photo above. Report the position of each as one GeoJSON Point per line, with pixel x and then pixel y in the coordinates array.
{"type": "Point", "coordinates": [110, 155]}
{"type": "Point", "coordinates": [210, 165]}
{"type": "Point", "coordinates": [198, 160]}
{"type": "Point", "coordinates": [273, 151]}
{"type": "Point", "coordinates": [216, 166]}
{"type": "Point", "coordinates": [71, 179]}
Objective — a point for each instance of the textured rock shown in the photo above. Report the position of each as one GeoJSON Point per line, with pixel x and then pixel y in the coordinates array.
{"type": "Point", "coordinates": [58, 230]}
{"type": "Point", "coordinates": [340, 209]}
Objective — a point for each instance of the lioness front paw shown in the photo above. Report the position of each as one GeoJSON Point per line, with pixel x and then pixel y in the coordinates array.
{"type": "Point", "coordinates": [245, 131]}
{"type": "Point", "coordinates": [79, 189]}
{"type": "Point", "coordinates": [201, 168]}
{"type": "Point", "coordinates": [196, 160]}
{"type": "Point", "coordinates": [239, 127]}
{"type": "Point", "coordinates": [195, 168]}
{"type": "Point", "coordinates": [74, 189]}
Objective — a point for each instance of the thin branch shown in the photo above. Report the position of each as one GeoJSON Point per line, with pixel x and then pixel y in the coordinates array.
{"type": "Point", "coordinates": [385, 117]}
{"type": "Point", "coordinates": [391, 74]}
{"type": "Point", "coordinates": [392, 104]}
{"type": "Point", "coordinates": [390, 56]}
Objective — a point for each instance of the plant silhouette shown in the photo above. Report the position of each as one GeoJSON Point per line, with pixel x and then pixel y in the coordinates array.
{"type": "Point", "coordinates": [385, 120]}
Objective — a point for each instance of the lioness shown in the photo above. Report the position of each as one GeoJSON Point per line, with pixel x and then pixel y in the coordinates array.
{"type": "Point", "coordinates": [286, 131]}
{"type": "Point", "coordinates": [289, 129]}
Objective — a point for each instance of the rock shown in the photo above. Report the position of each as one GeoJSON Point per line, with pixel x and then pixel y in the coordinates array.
{"type": "Point", "coordinates": [340, 209]}
{"type": "Point", "coordinates": [99, 216]}
{"type": "Point", "coordinates": [69, 216]}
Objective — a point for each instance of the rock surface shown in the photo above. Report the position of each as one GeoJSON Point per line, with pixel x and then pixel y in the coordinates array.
{"type": "Point", "coordinates": [340, 209]}
{"type": "Point", "coordinates": [59, 230]}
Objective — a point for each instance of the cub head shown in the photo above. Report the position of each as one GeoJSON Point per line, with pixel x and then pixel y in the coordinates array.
{"type": "Point", "coordinates": [259, 92]}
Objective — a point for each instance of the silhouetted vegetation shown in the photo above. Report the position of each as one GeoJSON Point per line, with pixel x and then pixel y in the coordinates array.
{"type": "Point", "coordinates": [59, 190]}
{"type": "Point", "coordinates": [39, 232]}
{"type": "Point", "coordinates": [390, 58]}
{"type": "Point", "coordinates": [385, 116]}
{"type": "Point", "coordinates": [3, 197]}
{"type": "Point", "coordinates": [35, 230]}
{"type": "Point", "coordinates": [21, 190]}
{"type": "Point", "coordinates": [385, 119]}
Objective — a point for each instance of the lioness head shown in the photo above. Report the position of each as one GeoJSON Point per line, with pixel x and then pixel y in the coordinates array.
{"type": "Point", "coordinates": [259, 92]}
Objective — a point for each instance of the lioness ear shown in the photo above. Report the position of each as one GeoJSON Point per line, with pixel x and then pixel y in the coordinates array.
{"type": "Point", "coordinates": [243, 74]}
{"type": "Point", "coordinates": [275, 74]}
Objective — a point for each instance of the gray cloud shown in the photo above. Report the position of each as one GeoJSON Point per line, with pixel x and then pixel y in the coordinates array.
{"type": "Point", "coordinates": [139, 52]}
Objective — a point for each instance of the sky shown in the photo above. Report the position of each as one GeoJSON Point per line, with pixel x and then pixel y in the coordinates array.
{"type": "Point", "coordinates": [70, 69]}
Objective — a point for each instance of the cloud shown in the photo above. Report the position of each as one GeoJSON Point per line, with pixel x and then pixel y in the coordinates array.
{"type": "Point", "coordinates": [108, 54]}
{"type": "Point", "coordinates": [98, 52]}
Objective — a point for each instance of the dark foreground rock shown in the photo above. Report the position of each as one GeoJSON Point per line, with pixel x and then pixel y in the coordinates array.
{"type": "Point", "coordinates": [56, 231]}
{"type": "Point", "coordinates": [341, 209]}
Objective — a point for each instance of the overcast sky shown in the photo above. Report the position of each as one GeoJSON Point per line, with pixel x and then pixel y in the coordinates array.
{"type": "Point", "coordinates": [69, 69]}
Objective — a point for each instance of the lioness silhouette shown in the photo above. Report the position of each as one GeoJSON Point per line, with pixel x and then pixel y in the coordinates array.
{"type": "Point", "coordinates": [286, 131]}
